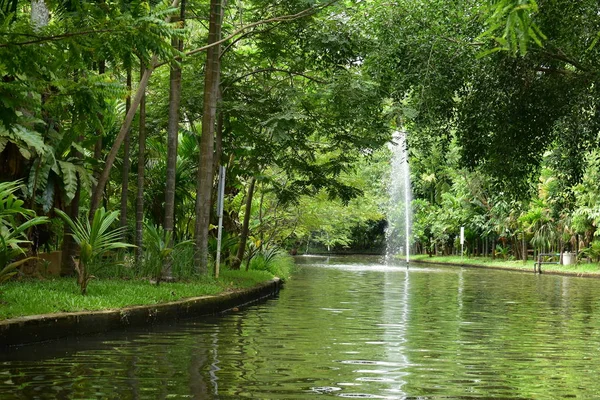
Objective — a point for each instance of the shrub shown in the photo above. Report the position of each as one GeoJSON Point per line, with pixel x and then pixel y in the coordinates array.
{"type": "Point", "coordinates": [274, 260]}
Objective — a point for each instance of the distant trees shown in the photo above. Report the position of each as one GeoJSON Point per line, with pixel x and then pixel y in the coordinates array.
{"type": "Point", "coordinates": [500, 102]}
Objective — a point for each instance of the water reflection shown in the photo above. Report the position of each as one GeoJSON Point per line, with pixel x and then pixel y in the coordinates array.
{"type": "Point", "coordinates": [351, 328]}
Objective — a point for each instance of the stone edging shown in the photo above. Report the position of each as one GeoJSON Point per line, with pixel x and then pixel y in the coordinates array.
{"type": "Point", "coordinates": [39, 328]}
{"type": "Point", "coordinates": [498, 267]}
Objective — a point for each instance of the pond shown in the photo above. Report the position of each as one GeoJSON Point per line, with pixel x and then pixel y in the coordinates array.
{"type": "Point", "coordinates": [349, 328]}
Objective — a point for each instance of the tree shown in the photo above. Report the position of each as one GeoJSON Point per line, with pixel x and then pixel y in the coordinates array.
{"type": "Point", "coordinates": [205, 159]}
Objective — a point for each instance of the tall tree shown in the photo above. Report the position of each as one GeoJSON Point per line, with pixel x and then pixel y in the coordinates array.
{"type": "Point", "coordinates": [212, 74]}
{"type": "Point", "coordinates": [172, 135]}
{"type": "Point", "coordinates": [126, 160]}
{"type": "Point", "coordinates": [139, 208]}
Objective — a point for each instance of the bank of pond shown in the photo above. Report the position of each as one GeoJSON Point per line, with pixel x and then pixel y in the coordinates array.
{"type": "Point", "coordinates": [550, 264]}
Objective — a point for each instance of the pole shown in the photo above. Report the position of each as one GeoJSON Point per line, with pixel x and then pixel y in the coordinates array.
{"type": "Point", "coordinates": [221, 197]}
{"type": "Point", "coordinates": [462, 241]}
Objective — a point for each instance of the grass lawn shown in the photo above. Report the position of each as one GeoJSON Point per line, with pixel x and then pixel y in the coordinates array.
{"type": "Point", "coordinates": [33, 297]}
{"type": "Point", "coordinates": [580, 268]}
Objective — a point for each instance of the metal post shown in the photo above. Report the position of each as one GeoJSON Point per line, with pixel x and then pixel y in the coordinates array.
{"type": "Point", "coordinates": [221, 195]}
{"type": "Point", "coordinates": [462, 241]}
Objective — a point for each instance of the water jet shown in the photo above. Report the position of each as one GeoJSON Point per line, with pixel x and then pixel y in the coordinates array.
{"type": "Point", "coordinates": [399, 207]}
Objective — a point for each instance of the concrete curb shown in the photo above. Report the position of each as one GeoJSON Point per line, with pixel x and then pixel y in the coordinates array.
{"type": "Point", "coordinates": [527, 271]}
{"type": "Point", "coordinates": [40, 328]}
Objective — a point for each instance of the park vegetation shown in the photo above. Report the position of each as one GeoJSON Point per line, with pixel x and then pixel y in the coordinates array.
{"type": "Point", "coordinates": [502, 120]}
{"type": "Point", "coordinates": [116, 117]}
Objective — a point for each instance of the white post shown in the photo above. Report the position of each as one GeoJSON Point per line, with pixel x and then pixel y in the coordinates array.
{"type": "Point", "coordinates": [462, 241]}
{"type": "Point", "coordinates": [220, 200]}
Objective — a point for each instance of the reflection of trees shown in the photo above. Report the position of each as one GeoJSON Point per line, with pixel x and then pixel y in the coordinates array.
{"type": "Point", "coordinates": [132, 381]}
{"type": "Point", "coordinates": [487, 333]}
{"type": "Point", "coordinates": [499, 334]}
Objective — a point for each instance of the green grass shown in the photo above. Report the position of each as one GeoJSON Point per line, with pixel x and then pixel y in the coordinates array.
{"type": "Point", "coordinates": [580, 268]}
{"type": "Point", "coordinates": [34, 297]}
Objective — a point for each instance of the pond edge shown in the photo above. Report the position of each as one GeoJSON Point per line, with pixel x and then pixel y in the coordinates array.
{"type": "Point", "coordinates": [41, 328]}
{"type": "Point", "coordinates": [499, 267]}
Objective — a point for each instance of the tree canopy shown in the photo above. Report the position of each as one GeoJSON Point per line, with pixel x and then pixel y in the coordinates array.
{"type": "Point", "coordinates": [100, 101]}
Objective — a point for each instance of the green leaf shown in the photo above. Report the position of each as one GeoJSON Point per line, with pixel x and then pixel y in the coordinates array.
{"type": "Point", "coordinates": [69, 176]}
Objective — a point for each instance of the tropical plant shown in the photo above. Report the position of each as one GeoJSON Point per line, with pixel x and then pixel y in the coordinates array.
{"type": "Point", "coordinates": [159, 250]}
{"type": "Point", "coordinates": [503, 251]}
{"type": "Point", "coordinates": [94, 239]}
{"type": "Point", "coordinates": [13, 239]}
{"type": "Point", "coordinates": [592, 251]}
{"type": "Point", "coordinates": [273, 259]}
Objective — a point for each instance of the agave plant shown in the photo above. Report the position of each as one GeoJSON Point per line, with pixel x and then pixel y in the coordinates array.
{"type": "Point", "coordinates": [94, 240]}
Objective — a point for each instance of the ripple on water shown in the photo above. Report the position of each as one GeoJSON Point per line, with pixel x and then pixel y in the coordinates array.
{"type": "Point", "coordinates": [351, 331]}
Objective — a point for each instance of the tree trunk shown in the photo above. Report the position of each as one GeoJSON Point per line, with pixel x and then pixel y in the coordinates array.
{"type": "Point", "coordinates": [110, 159]}
{"type": "Point", "coordinates": [245, 227]}
{"type": "Point", "coordinates": [69, 247]}
{"type": "Point", "coordinates": [205, 168]}
{"type": "Point", "coordinates": [98, 145]}
{"type": "Point", "coordinates": [139, 207]}
{"type": "Point", "coordinates": [126, 162]}
{"type": "Point", "coordinates": [172, 143]}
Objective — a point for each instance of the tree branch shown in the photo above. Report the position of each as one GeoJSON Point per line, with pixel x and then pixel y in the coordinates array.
{"type": "Point", "coordinates": [57, 37]}
{"type": "Point", "coordinates": [561, 56]}
{"type": "Point", "coordinates": [284, 18]}
{"type": "Point", "coordinates": [243, 36]}
{"type": "Point", "coordinates": [258, 71]}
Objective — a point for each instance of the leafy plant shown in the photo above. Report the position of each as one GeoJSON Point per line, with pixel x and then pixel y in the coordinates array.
{"type": "Point", "coordinates": [592, 251]}
{"type": "Point", "coordinates": [94, 241]}
{"type": "Point", "coordinates": [13, 239]}
{"type": "Point", "coordinates": [502, 251]}
{"type": "Point", "coordinates": [160, 247]}
{"type": "Point", "coordinates": [274, 260]}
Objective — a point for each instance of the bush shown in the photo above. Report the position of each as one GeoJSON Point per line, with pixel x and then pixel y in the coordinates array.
{"type": "Point", "coordinates": [274, 260]}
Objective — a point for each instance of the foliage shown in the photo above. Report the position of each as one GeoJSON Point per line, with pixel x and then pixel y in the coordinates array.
{"type": "Point", "coordinates": [15, 221]}
{"type": "Point", "coordinates": [592, 251]}
{"type": "Point", "coordinates": [586, 216]}
{"type": "Point", "coordinates": [94, 239]}
{"type": "Point", "coordinates": [274, 260]}
{"type": "Point", "coordinates": [160, 249]}
{"type": "Point", "coordinates": [514, 19]}
{"type": "Point", "coordinates": [502, 251]}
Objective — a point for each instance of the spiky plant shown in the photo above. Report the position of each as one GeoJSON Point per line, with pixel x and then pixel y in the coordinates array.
{"type": "Point", "coordinates": [94, 240]}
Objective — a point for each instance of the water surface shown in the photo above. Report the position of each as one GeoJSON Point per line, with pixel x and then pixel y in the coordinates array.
{"type": "Point", "coordinates": [349, 328]}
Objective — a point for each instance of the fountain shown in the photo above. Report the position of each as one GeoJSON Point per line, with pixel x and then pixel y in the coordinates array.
{"type": "Point", "coordinates": [399, 210]}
